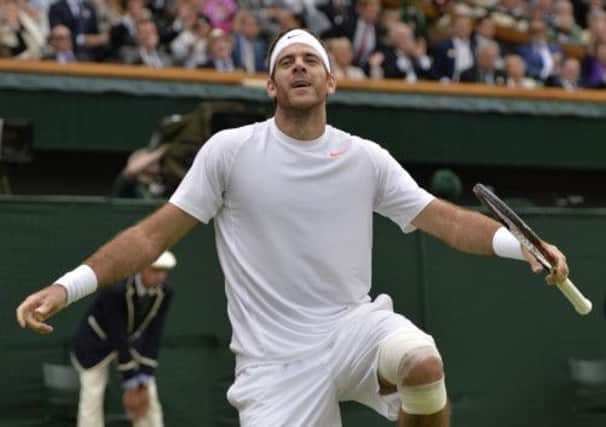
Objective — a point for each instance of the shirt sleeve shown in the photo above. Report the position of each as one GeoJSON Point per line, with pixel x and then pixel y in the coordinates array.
{"type": "Point", "coordinates": [398, 196]}
{"type": "Point", "coordinates": [201, 192]}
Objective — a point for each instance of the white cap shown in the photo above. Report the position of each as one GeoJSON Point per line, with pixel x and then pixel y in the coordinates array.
{"type": "Point", "coordinates": [298, 36]}
{"type": "Point", "coordinates": [166, 261]}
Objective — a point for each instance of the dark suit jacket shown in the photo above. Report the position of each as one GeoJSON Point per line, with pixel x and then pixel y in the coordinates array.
{"type": "Point", "coordinates": [112, 324]}
{"type": "Point", "coordinates": [443, 55]}
{"type": "Point", "coordinates": [259, 48]}
{"type": "Point", "coordinates": [348, 29]}
{"type": "Point", "coordinates": [391, 69]}
{"type": "Point", "coordinates": [499, 77]}
{"type": "Point", "coordinates": [60, 13]}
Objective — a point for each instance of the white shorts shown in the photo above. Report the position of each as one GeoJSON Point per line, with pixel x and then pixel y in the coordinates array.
{"type": "Point", "coordinates": [307, 392]}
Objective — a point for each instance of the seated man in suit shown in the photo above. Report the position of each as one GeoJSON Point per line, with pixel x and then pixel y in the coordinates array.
{"type": "Point", "coordinates": [219, 50]}
{"type": "Point", "coordinates": [124, 324]}
{"type": "Point", "coordinates": [148, 51]}
{"type": "Point", "coordinates": [454, 59]}
{"type": "Point", "coordinates": [406, 58]}
{"type": "Point", "coordinates": [249, 47]}
{"type": "Point", "coordinates": [541, 57]}
{"type": "Point", "coordinates": [60, 40]}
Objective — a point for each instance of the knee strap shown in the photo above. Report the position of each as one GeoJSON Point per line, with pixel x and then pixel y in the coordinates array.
{"type": "Point", "coordinates": [397, 356]}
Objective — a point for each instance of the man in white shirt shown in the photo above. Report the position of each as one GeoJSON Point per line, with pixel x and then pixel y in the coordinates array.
{"type": "Point", "coordinates": [293, 201]}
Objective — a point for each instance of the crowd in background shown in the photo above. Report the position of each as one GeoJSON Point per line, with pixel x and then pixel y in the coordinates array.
{"type": "Point", "coordinates": [564, 41]}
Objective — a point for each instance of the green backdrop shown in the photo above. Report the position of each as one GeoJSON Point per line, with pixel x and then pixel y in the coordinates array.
{"type": "Point", "coordinates": [505, 336]}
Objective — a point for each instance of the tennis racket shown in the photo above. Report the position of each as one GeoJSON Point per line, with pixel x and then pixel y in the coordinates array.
{"type": "Point", "coordinates": [532, 242]}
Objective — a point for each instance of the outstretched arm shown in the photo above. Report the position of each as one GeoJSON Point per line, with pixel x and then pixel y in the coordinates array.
{"type": "Point", "coordinates": [472, 232]}
{"type": "Point", "coordinates": [128, 253]}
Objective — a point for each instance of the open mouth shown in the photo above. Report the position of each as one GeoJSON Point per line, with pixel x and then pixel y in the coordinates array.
{"type": "Point", "coordinates": [300, 83]}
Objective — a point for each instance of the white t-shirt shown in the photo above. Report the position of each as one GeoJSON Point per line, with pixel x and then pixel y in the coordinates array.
{"type": "Point", "coordinates": [293, 222]}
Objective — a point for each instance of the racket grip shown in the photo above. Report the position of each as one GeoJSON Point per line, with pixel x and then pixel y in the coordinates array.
{"type": "Point", "coordinates": [581, 304]}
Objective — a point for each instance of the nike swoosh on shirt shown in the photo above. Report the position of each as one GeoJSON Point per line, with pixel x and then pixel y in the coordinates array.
{"type": "Point", "coordinates": [336, 153]}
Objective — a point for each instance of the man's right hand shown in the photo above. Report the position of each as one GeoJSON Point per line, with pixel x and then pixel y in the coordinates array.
{"type": "Point", "coordinates": [39, 306]}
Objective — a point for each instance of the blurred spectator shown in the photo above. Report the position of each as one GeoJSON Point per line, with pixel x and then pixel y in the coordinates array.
{"type": "Point", "coordinates": [190, 46]}
{"type": "Point", "coordinates": [511, 13]}
{"type": "Point", "coordinates": [485, 30]}
{"type": "Point", "coordinates": [219, 51]}
{"type": "Point", "coordinates": [569, 76]}
{"type": "Point", "coordinates": [249, 48]}
{"type": "Point", "coordinates": [81, 19]}
{"type": "Point", "coordinates": [488, 70]}
{"type": "Point", "coordinates": [446, 184]}
{"type": "Point", "coordinates": [594, 67]}
{"type": "Point", "coordinates": [342, 55]}
{"type": "Point", "coordinates": [413, 16]}
{"type": "Point", "coordinates": [515, 70]}
{"type": "Point", "coordinates": [60, 41]}
{"type": "Point", "coordinates": [20, 35]}
{"type": "Point", "coordinates": [124, 33]}
{"type": "Point", "coordinates": [454, 59]}
{"type": "Point", "coordinates": [141, 178]}
{"type": "Point", "coordinates": [337, 11]}
{"type": "Point", "coordinates": [542, 58]}
{"type": "Point", "coordinates": [405, 58]}
{"type": "Point", "coordinates": [109, 13]}
{"type": "Point", "coordinates": [220, 12]}
{"type": "Point", "coordinates": [147, 50]}
{"type": "Point", "coordinates": [364, 31]}
{"type": "Point", "coordinates": [564, 29]}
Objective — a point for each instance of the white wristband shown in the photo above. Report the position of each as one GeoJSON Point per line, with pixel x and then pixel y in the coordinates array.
{"type": "Point", "coordinates": [78, 283]}
{"type": "Point", "coordinates": [506, 245]}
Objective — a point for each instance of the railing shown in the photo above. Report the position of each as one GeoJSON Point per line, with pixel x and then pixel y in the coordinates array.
{"type": "Point", "coordinates": [119, 71]}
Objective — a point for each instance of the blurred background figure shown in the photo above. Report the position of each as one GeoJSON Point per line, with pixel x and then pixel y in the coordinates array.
{"type": "Point", "coordinates": [541, 57]}
{"type": "Point", "coordinates": [60, 41]}
{"type": "Point", "coordinates": [124, 325]}
{"type": "Point", "coordinates": [515, 71]}
{"type": "Point", "coordinates": [405, 58]}
{"type": "Point", "coordinates": [220, 12]}
{"type": "Point", "coordinates": [446, 184]}
{"type": "Point", "coordinates": [364, 31]}
{"type": "Point", "coordinates": [147, 51]}
{"type": "Point", "coordinates": [342, 56]}
{"type": "Point", "coordinates": [594, 67]}
{"type": "Point", "coordinates": [124, 32]}
{"type": "Point", "coordinates": [21, 35]}
{"type": "Point", "coordinates": [141, 178]}
{"type": "Point", "coordinates": [563, 28]}
{"type": "Point", "coordinates": [454, 59]}
{"type": "Point", "coordinates": [189, 47]}
{"type": "Point", "coordinates": [219, 51]}
{"type": "Point", "coordinates": [488, 70]}
{"type": "Point", "coordinates": [569, 77]}
{"type": "Point", "coordinates": [249, 47]}
{"type": "Point", "coordinates": [81, 19]}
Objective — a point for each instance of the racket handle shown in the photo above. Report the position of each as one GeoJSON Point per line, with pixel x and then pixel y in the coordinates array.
{"type": "Point", "coordinates": [581, 304]}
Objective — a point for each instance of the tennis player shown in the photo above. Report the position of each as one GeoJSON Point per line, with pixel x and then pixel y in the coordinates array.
{"type": "Point", "coordinates": [292, 200]}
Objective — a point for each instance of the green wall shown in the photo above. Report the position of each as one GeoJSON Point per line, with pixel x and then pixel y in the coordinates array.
{"type": "Point", "coordinates": [119, 115]}
{"type": "Point", "coordinates": [505, 336]}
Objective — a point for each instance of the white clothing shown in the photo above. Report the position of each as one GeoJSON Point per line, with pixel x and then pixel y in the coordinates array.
{"type": "Point", "coordinates": [93, 382]}
{"type": "Point", "coordinates": [293, 224]}
{"type": "Point", "coordinates": [310, 389]}
{"type": "Point", "coordinates": [463, 56]}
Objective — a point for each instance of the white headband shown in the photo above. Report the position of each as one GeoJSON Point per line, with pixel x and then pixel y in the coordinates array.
{"type": "Point", "coordinates": [298, 36]}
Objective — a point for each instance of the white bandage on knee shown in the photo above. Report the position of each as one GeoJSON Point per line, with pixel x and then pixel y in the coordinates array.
{"type": "Point", "coordinates": [424, 399]}
{"type": "Point", "coordinates": [398, 354]}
